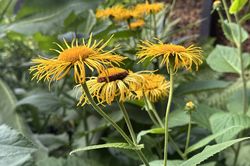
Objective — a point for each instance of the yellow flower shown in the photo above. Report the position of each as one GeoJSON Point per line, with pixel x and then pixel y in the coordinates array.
{"type": "Point", "coordinates": [90, 54]}
{"type": "Point", "coordinates": [136, 24]}
{"type": "Point", "coordinates": [110, 84]}
{"type": "Point", "coordinates": [190, 106]}
{"type": "Point", "coordinates": [147, 8]}
{"type": "Point", "coordinates": [178, 55]}
{"type": "Point", "coordinates": [154, 88]}
{"type": "Point", "coordinates": [117, 12]}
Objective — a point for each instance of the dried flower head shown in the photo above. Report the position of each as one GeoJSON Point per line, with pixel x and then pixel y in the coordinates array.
{"type": "Point", "coordinates": [181, 56]}
{"type": "Point", "coordinates": [90, 54]}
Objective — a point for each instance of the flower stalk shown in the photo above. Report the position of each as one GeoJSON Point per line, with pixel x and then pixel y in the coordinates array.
{"type": "Point", "coordinates": [171, 80]}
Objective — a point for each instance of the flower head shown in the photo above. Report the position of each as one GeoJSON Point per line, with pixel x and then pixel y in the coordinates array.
{"type": "Point", "coordinates": [110, 84]}
{"type": "Point", "coordinates": [147, 8]}
{"type": "Point", "coordinates": [90, 54]}
{"type": "Point", "coordinates": [154, 88]}
{"type": "Point", "coordinates": [190, 106]}
{"type": "Point", "coordinates": [117, 12]}
{"type": "Point", "coordinates": [136, 24]}
{"type": "Point", "coordinates": [180, 55]}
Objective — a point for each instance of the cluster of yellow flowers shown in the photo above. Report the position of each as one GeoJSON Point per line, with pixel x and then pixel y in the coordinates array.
{"type": "Point", "coordinates": [114, 82]}
{"type": "Point", "coordinates": [137, 12]}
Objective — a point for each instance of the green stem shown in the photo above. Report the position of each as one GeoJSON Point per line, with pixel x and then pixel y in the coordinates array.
{"type": "Point", "coordinates": [149, 111]}
{"type": "Point", "coordinates": [226, 10]}
{"type": "Point", "coordinates": [131, 131]}
{"type": "Point", "coordinates": [188, 135]}
{"type": "Point", "coordinates": [171, 80]}
{"type": "Point", "coordinates": [152, 108]}
{"type": "Point", "coordinates": [177, 148]}
{"type": "Point", "coordinates": [5, 10]}
{"type": "Point", "coordinates": [104, 115]}
{"type": "Point", "coordinates": [155, 26]}
{"type": "Point", "coordinates": [245, 96]}
{"type": "Point", "coordinates": [127, 120]}
{"type": "Point", "coordinates": [110, 120]}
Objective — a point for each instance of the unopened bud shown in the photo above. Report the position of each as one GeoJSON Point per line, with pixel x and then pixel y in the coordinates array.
{"type": "Point", "coordinates": [216, 4]}
{"type": "Point", "coordinates": [190, 106]}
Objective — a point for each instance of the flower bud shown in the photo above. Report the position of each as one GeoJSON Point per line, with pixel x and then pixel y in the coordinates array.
{"type": "Point", "coordinates": [190, 107]}
{"type": "Point", "coordinates": [216, 4]}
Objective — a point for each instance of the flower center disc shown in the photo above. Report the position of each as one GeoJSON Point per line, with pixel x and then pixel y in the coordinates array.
{"type": "Point", "coordinates": [112, 74]}
{"type": "Point", "coordinates": [75, 53]}
{"type": "Point", "coordinates": [174, 48]}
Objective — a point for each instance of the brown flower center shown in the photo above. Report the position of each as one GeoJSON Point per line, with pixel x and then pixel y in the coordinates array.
{"type": "Point", "coordinates": [112, 74]}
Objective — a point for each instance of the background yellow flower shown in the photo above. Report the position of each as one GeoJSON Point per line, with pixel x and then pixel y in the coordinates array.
{"type": "Point", "coordinates": [179, 56]}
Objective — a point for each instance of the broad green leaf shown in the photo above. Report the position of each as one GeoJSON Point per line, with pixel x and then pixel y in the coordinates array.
{"type": "Point", "coordinates": [109, 145]}
{"type": "Point", "coordinates": [72, 161]}
{"type": "Point", "coordinates": [202, 115]}
{"type": "Point", "coordinates": [51, 21]}
{"type": "Point", "coordinates": [150, 131]}
{"type": "Point", "coordinates": [243, 158]}
{"type": "Point", "coordinates": [42, 101]}
{"type": "Point", "coordinates": [232, 32]}
{"type": "Point", "coordinates": [209, 138]}
{"type": "Point", "coordinates": [236, 6]}
{"type": "Point", "coordinates": [223, 120]}
{"type": "Point", "coordinates": [16, 150]}
{"type": "Point", "coordinates": [209, 151]}
{"type": "Point", "coordinates": [178, 118]}
{"type": "Point", "coordinates": [199, 86]}
{"type": "Point", "coordinates": [226, 59]}
{"type": "Point", "coordinates": [160, 163]}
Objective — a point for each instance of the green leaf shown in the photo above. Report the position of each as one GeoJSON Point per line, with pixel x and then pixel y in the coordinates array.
{"type": "Point", "coordinates": [232, 32]}
{"type": "Point", "coordinates": [178, 118]}
{"type": "Point", "coordinates": [160, 163]}
{"type": "Point", "coordinates": [209, 151]}
{"type": "Point", "coordinates": [236, 6]}
{"type": "Point", "coordinates": [42, 101]}
{"type": "Point", "coordinates": [221, 121]}
{"type": "Point", "coordinates": [72, 161]}
{"type": "Point", "coordinates": [150, 131]}
{"type": "Point", "coordinates": [51, 21]}
{"type": "Point", "coordinates": [226, 59]}
{"type": "Point", "coordinates": [15, 150]}
{"type": "Point", "coordinates": [210, 138]}
{"type": "Point", "coordinates": [109, 145]}
{"type": "Point", "coordinates": [199, 86]}
{"type": "Point", "coordinates": [202, 115]}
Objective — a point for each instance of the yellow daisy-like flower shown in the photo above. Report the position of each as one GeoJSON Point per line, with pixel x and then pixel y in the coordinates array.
{"type": "Point", "coordinates": [90, 54]}
{"type": "Point", "coordinates": [178, 55]}
{"type": "Point", "coordinates": [154, 88]}
{"type": "Point", "coordinates": [147, 8]}
{"type": "Point", "coordinates": [136, 24]}
{"type": "Point", "coordinates": [111, 83]}
{"type": "Point", "coordinates": [117, 12]}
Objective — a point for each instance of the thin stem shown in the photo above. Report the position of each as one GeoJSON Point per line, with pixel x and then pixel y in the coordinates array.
{"type": "Point", "coordinates": [104, 115]}
{"type": "Point", "coordinates": [188, 135]}
{"type": "Point", "coordinates": [149, 111]}
{"type": "Point", "coordinates": [226, 10]}
{"type": "Point", "coordinates": [131, 131]}
{"type": "Point", "coordinates": [177, 148]}
{"type": "Point", "coordinates": [245, 96]}
{"type": "Point", "coordinates": [155, 25]}
{"type": "Point", "coordinates": [110, 120]}
{"type": "Point", "coordinates": [171, 80]}
{"type": "Point", "coordinates": [152, 108]}
{"type": "Point", "coordinates": [5, 10]}
{"type": "Point", "coordinates": [127, 120]}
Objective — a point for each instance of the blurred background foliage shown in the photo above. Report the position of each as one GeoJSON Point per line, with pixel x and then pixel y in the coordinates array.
{"type": "Point", "coordinates": [50, 122]}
